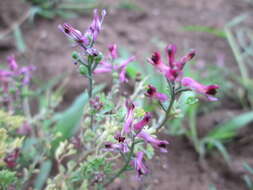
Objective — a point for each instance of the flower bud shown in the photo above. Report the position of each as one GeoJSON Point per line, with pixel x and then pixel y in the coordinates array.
{"type": "Point", "coordinates": [99, 57]}
{"type": "Point", "coordinates": [75, 55]}
{"type": "Point", "coordinates": [83, 70]}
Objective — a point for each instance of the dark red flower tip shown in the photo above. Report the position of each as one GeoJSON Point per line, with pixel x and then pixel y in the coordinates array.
{"type": "Point", "coordinates": [11, 158]}
{"type": "Point", "coordinates": [130, 105]}
{"type": "Point", "coordinates": [162, 145]}
{"type": "Point", "coordinates": [119, 138]}
{"type": "Point", "coordinates": [147, 117]}
{"type": "Point", "coordinates": [156, 58]}
{"type": "Point", "coordinates": [191, 54]}
{"type": "Point", "coordinates": [66, 30]}
{"type": "Point", "coordinates": [150, 91]}
{"type": "Point", "coordinates": [212, 89]}
{"type": "Point", "coordinates": [108, 145]}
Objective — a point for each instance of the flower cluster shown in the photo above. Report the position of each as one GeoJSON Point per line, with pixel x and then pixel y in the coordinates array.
{"type": "Point", "coordinates": [135, 131]}
{"type": "Point", "coordinates": [108, 65]}
{"type": "Point", "coordinates": [15, 72]}
{"type": "Point", "coordinates": [85, 40]}
{"type": "Point", "coordinates": [173, 71]}
{"type": "Point", "coordinates": [13, 79]}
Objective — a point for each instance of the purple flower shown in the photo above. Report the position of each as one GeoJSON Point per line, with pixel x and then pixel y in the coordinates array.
{"type": "Point", "coordinates": [129, 117]}
{"type": "Point", "coordinates": [96, 103]}
{"type": "Point", "coordinates": [85, 40]}
{"type": "Point", "coordinates": [76, 141]}
{"type": "Point", "coordinates": [156, 61]}
{"type": "Point", "coordinates": [160, 144]}
{"type": "Point", "coordinates": [209, 91]}
{"type": "Point", "coordinates": [26, 73]}
{"type": "Point", "coordinates": [12, 63]}
{"type": "Point", "coordinates": [96, 24]}
{"type": "Point", "coordinates": [117, 147]}
{"type": "Point", "coordinates": [4, 75]}
{"type": "Point", "coordinates": [107, 67]}
{"type": "Point", "coordinates": [25, 129]}
{"type": "Point", "coordinates": [119, 137]}
{"type": "Point", "coordinates": [146, 119]}
{"type": "Point", "coordinates": [11, 158]}
{"type": "Point", "coordinates": [152, 93]}
{"type": "Point", "coordinates": [139, 165]}
{"type": "Point", "coordinates": [74, 34]}
{"type": "Point", "coordinates": [171, 51]}
{"type": "Point", "coordinates": [173, 70]}
{"type": "Point", "coordinates": [113, 51]}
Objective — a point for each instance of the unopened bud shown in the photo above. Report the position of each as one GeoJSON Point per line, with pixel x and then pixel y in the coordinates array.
{"type": "Point", "coordinates": [75, 55]}
{"type": "Point", "coordinates": [83, 70]}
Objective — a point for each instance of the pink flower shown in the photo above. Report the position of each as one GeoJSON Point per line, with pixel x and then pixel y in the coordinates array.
{"type": "Point", "coordinates": [12, 63]}
{"type": "Point", "coordinates": [129, 117]}
{"type": "Point", "coordinates": [209, 91]}
{"type": "Point", "coordinates": [119, 137]}
{"type": "Point", "coordinates": [26, 73]}
{"type": "Point", "coordinates": [160, 144]}
{"type": "Point", "coordinates": [152, 93]}
{"type": "Point", "coordinates": [96, 103]}
{"type": "Point", "coordinates": [25, 129]}
{"type": "Point", "coordinates": [85, 40]}
{"type": "Point", "coordinates": [156, 61]}
{"type": "Point", "coordinates": [171, 51]}
{"type": "Point", "coordinates": [106, 67]}
{"type": "Point", "coordinates": [74, 34]}
{"type": "Point", "coordinates": [146, 119]}
{"type": "Point", "coordinates": [96, 24]}
{"type": "Point", "coordinates": [113, 51]}
{"type": "Point", "coordinates": [117, 147]}
{"type": "Point", "coordinates": [173, 70]}
{"type": "Point", "coordinates": [11, 158]}
{"type": "Point", "coordinates": [139, 165]}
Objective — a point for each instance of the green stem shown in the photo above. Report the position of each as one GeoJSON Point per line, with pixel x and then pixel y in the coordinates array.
{"type": "Point", "coordinates": [172, 100]}
{"type": "Point", "coordinates": [90, 77]}
{"type": "Point", "coordinates": [124, 168]}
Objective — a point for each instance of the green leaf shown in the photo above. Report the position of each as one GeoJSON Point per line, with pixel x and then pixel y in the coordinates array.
{"type": "Point", "coordinates": [220, 147]}
{"type": "Point", "coordinates": [206, 29]}
{"type": "Point", "coordinates": [44, 173]}
{"type": "Point", "coordinates": [69, 120]}
{"type": "Point", "coordinates": [20, 43]}
{"type": "Point", "coordinates": [248, 168]}
{"type": "Point", "coordinates": [228, 129]}
{"type": "Point", "coordinates": [248, 182]}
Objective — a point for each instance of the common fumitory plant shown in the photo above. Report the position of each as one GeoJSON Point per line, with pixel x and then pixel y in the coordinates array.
{"type": "Point", "coordinates": [129, 138]}
{"type": "Point", "coordinates": [89, 146]}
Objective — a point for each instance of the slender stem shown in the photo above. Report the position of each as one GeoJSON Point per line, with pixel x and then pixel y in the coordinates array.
{"type": "Point", "coordinates": [90, 77]}
{"type": "Point", "coordinates": [124, 168]}
{"type": "Point", "coordinates": [172, 100]}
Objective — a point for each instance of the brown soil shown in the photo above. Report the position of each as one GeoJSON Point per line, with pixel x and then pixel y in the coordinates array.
{"type": "Point", "coordinates": [161, 20]}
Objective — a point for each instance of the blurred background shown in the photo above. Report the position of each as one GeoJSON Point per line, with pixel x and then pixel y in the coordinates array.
{"type": "Point", "coordinates": [221, 31]}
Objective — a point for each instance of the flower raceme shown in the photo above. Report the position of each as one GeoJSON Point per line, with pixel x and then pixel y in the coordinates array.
{"type": "Point", "coordinates": [174, 69]}
{"type": "Point", "coordinates": [86, 39]}
{"type": "Point", "coordinates": [16, 72]}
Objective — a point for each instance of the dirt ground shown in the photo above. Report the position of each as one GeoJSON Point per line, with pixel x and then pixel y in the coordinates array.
{"type": "Point", "coordinates": [161, 20]}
